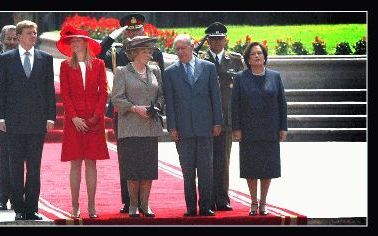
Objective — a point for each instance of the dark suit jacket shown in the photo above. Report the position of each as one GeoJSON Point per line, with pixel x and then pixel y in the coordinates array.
{"type": "Point", "coordinates": [193, 111]}
{"type": "Point", "coordinates": [259, 106]}
{"type": "Point", "coordinates": [26, 103]}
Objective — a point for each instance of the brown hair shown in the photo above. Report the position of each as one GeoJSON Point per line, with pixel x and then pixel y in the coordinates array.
{"type": "Point", "coordinates": [247, 52]}
{"type": "Point", "coordinates": [23, 25]}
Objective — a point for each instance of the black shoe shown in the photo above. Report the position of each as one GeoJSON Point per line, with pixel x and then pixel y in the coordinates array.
{"type": "Point", "coordinates": [207, 213]}
{"type": "Point", "coordinates": [3, 206]}
{"type": "Point", "coordinates": [213, 207]}
{"type": "Point", "coordinates": [190, 213]}
{"type": "Point", "coordinates": [20, 216]}
{"type": "Point", "coordinates": [124, 209]}
{"type": "Point", "coordinates": [226, 207]}
{"type": "Point", "coordinates": [33, 216]}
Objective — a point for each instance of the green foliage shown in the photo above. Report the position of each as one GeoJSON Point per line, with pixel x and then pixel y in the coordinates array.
{"type": "Point", "coordinates": [319, 46]}
{"type": "Point", "coordinates": [360, 46]}
{"type": "Point", "coordinates": [343, 48]}
{"type": "Point", "coordinates": [282, 47]}
{"type": "Point", "coordinates": [298, 48]}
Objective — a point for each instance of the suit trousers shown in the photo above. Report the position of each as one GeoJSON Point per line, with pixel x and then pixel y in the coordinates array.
{"type": "Point", "coordinates": [221, 163]}
{"type": "Point", "coordinates": [25, 148]}
{"type": "Point", "coordinates": [197, 153]}
{"type": "Point", "coordinates": [4, 169]}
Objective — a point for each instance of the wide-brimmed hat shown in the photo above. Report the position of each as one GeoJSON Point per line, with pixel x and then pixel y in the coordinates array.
{"type": "Point", "coordinates": [132, 21]}
{"type": "Point", "coordinates": [139, 42]}
{"type": "Point", "coordinates": [68, 32]}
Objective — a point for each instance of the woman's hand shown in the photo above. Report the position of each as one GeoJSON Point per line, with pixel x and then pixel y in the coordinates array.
{"type": "Point", "coordinates": [237, 135]}
{"type": "Point", "coordinates": [141, 111]}
{"type": "Point", "coordinates": [283, 135]}
{"type": "Point", "coordinates": [80, 124]}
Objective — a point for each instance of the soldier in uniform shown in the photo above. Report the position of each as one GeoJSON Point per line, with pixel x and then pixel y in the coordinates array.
{"type": "Point", "coordinates": [131, 26]}
{"type": "Point", "coordinates": [227, 64]}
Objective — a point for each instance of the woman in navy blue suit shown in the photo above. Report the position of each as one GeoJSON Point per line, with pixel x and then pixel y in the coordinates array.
{"type": "Point", "coordinates": [259, 123]}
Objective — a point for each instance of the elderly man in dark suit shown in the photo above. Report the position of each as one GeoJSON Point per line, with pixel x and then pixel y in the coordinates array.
{"type": "Point", "coordinates": [194, 116]}
{"type": "Point", "coordinates": [27, 111]}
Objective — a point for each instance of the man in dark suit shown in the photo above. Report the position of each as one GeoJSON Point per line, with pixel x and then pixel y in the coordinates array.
{"type": "Point", "coordinates": [131, 25]}
{"type": "Point", "coordinates": [8, 41]}
{"type": "Point", "coordinates": [27, 111]}
{"type": "Point", "coordinates": [227, 64]}
{"type": "Point", "coordinates": [194, 116]}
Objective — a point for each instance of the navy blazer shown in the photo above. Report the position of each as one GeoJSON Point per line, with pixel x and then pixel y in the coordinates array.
{"type": "Point", "coordinates": [26, 103]}
{"type": "Point", "coordinates": [192, 110]}
{"type": "Point", "coordinates": [259, 107]}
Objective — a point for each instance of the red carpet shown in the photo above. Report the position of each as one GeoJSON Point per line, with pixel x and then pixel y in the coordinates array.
{"type": "Point", "coordinates": [166, 199]}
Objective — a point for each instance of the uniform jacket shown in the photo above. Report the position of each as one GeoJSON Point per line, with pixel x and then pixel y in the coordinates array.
{"type": "Point", "coordinates": [193, 111]}
{"type": "Point", "coordinates": [259, 106]}
{"type": "Point", "coordinates": [130, 89]}
{"type": "Point", "coordinates": [26, 103]}
{"type": "Point", "coordinates": [231, 63]}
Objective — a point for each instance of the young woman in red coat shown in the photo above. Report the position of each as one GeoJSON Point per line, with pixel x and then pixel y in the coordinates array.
{"type": "Point", "coordinates": [83, 87]}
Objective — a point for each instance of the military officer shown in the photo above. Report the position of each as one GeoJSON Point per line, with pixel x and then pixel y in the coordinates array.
{"type": "Point", "coordinates": [227, 64]}
{"type": "Point", "coordinates": [131, 25]}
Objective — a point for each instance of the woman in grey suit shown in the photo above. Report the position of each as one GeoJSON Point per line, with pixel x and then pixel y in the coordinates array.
{"type": "Point", "coordinates": [135, 86]}
{"type": "Point", "coordinates": [259, 122]}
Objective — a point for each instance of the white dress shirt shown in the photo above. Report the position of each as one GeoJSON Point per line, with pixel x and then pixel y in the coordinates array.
{"type": "Point", "coordinates": [219, 55]}
{"type": "Point", "coordinates": [22, 56]}
{"type": "Point", "coordinates": [83, 69]}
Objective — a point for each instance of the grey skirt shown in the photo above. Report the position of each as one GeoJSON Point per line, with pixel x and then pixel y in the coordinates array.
{"type": "Point", "coordinates": [260, 159]}
{"type": "Point", "coordinates": [140, 155]}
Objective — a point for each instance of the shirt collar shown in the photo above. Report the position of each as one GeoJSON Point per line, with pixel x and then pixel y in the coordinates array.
{"type": "Point", "coordinates": [219, 54]}
{"type": "Point", "coordinates": [192, 62]}
{"type": "Point", "coordinates": [22, 50]}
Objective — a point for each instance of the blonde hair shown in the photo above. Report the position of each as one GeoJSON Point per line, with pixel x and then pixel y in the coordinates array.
{"type": "Point", "coordinates": [74, 61]}
{"type": "Point", "coordinates": [23, 25]}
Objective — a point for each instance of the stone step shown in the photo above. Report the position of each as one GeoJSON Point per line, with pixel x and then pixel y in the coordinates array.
{"type": "Point", "coordinates": [299, 135]}
{"type": "Point", "coordinates": [327, 121]}
{"type": "Point", "coordinates": [325, 95]}
{"type": "Point", "coordinates": [326, 108]}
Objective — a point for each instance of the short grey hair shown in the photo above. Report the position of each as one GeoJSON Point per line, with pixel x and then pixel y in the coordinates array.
{"type": "Point", "coordinates": [4, 30]}
{"type": "Point", "coordinates": [184, 38]}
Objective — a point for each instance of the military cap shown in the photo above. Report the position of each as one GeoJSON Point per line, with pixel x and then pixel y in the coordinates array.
{"type": "Point", "coordinates": [133, 21]}
{"type": "Point", "coordinates": [216, 29]}
{"type": "Point", "coordinates": [139, 42]}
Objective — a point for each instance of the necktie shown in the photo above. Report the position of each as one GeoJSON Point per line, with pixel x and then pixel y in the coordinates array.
{"type": "Point", "coordinates": [189, 73]}
{"type": "Point", "coordinates": [27, 66]}
{"type": "Point", "coordinates": [216, 62]}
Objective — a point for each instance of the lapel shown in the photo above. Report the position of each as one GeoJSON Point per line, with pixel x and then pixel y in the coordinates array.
{"type": "Point", "coordinates": [198, 68]}
{"type": "Point", "coordinates": [225, 61]}
{"type": "Point", "coordinates": [181, 72]}
{"type": "Point", "coordinates": [18, 64]}
{"type": "Point", "coordinates": [36, 64]}
{"type": "Point", "coordinates": [137, 76]}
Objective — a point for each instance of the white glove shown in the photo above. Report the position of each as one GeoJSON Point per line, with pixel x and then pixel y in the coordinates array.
{"type": "Point", "coordinates": [116, 33]}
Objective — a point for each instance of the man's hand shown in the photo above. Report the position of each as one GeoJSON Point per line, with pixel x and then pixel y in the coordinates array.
{"type": "Point", "coordinates": [80, 124]}
{"type": "Point", "coordinates": [174, 135]}
{"type": "Point", "coordinates": [116, 33]}
{"type": "Point", "coordinates": [283, 135]}
{"type": "Point", "coordinates": [217, 129]}
{"type": "Point", "coordinates": [237, 135]}
{"type": "Point", "coordinates": [49, 125]}
{"type": "Point", "coordinates": [3, 127]}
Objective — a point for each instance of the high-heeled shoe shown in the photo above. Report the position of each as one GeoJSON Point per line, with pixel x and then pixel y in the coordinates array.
{"type": "Point", "coordinates": [262, 209]}
{"type": "Point", "coordinates": [253, 210]}
{"type": "Point", "coordinates": [92, 213]}
{"type": "Point", "coordinates": [147, 212]}
{"type": "Point", "coordinates": [133, 211]}
{"type": "Point", "coordinates": [75, 213]}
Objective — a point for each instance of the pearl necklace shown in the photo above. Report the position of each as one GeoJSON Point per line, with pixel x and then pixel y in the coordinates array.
{"type": "Point", "coordinates": [259, 74]}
